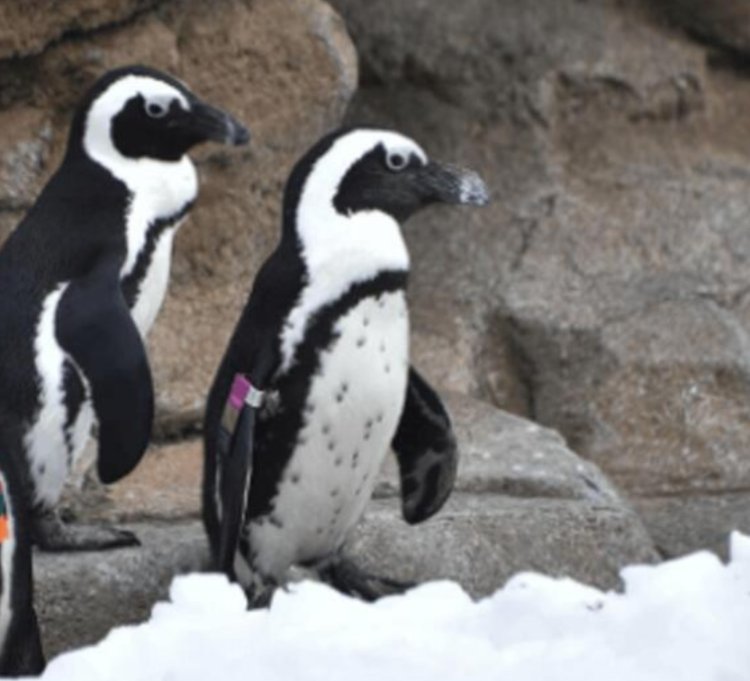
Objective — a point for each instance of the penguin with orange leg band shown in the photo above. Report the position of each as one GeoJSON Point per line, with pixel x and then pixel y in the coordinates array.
{"type": "Point", "coordinates": [20, 644]}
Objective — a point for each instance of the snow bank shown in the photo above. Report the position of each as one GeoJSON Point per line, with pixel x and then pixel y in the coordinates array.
{"type": "Point", "coordinates": [688, 619]}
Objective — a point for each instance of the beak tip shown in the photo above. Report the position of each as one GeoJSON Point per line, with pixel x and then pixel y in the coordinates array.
{"type": "Point", "coordinates": [474, 190]}
{"type": "Point", "coordinates": [238, 135]}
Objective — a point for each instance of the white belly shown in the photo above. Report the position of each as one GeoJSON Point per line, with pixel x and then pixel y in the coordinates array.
{"type": "Point", "coordinates": [153, 288]}
{"type": "Point", "coordinates": [356, 400]}
{"type": "Point", "coordinates": [49, 454]}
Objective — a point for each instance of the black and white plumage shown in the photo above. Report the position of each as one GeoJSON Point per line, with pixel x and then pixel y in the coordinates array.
{"type": "Point", "coordinates": [81, 280]}
{"type": "Point", "coordinates": [325, 333]}
{"type": "Point", "coordinates": [20, 643]}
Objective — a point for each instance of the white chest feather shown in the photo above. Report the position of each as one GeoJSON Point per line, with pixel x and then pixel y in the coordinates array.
{"type": "Point", "coordinates": [353, 407]}
{"type": "Point", "coordinates": [173, 187]}
{"type": "Point", "coordinates": [7, 551]}
{"type": "Point", "coordinates": [153, 288]}
{"type": "Point", "coordinates": [50, 453]}
{"type": "Point", "coordinates": [338, 251]}
{"type": "Point", "coordinates": [159, 190]}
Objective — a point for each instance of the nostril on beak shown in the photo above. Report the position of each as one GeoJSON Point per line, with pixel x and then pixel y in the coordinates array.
{"type": "Point", "coordinates": [241, 135]}
{"type": "Point", "coordinates": [474, 190]}
{"type": "Point", "coordinates": [237, 134]}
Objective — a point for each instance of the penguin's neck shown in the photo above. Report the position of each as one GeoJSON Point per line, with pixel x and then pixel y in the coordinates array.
{"type": "Point", "coordinates": [159, 191]}
{"type": "Point", "coordinates": [338, 252]}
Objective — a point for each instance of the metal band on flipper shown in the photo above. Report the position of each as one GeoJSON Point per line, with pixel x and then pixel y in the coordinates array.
{"type": "Point", "coordinates": [242, 392]}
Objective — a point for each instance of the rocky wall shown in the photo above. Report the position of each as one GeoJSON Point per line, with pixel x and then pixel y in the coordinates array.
{"type": "Point", "coordinates": [605, 291]}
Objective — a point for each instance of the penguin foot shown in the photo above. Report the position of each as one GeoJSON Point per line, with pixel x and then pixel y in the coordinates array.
{"type": "Point", "coordinates": [259, 592]}
{"type": "Point", "coordinates": [346, 577]}
{"type": "Point", "coordinates": [24, 651]}
{"type": "Point", "coordinates": [50, 533]}
{"type": "Point", "coordinates": [259, 598]}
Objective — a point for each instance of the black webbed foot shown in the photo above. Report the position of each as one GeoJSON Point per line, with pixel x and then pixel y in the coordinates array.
{"type": "Point", "coordinates": [345, 576]}
{"type": "Point", "coordinates": [51, 534]}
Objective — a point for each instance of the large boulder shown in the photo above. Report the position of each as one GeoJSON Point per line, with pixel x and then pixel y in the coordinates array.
{"type": "Point", "coordinates": [604, 292]}
{"type": "Point", "coordinates": [80, 596]}
{"type": "Point", "coordinates": [724, 23]}
{"type": "Point", "coordinates": [523, 501]}
{"type": "Point", "coordinates": [27, 28]}
{"type": "Point", "coordinates": [286, 69]}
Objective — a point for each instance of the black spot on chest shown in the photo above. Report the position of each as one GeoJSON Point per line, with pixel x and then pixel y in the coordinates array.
{"type": "Point", "coordinates": [277, 436]}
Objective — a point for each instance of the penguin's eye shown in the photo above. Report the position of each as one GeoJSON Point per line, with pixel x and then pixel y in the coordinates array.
{"type": "Point", "coordinates": [396, 161]}
{"type": "Point", "coordinates": [156, 110]}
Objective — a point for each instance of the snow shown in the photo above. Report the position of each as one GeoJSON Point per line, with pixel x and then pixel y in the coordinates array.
{"type": "Point", "coordinates": [683, 620]}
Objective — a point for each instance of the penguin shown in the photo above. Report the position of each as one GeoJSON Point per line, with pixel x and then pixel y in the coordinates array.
{"type": "Point", "coordinates": [316, 384]}
{"type": "Point", "coordinates": [20, 643]}
{"type": "Point", "coordinates": [82, 278]}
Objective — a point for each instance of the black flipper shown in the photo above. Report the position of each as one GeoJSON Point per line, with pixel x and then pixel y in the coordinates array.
{"type": "Point", "coordinates": [426, 450]}
{"type": "Point", "coordinates": [234, 456]}
{"type": "Point", "coordinates": [95, 328]}
{"type": "Point", "coordinates": [51, 534]}
{"type": "Point", "coordinates": [235, 461]}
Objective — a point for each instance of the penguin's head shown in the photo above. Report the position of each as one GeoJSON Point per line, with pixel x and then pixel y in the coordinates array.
{"type": "Point", "coordinates": [139, 113]}
{"type": "Point", "coordinates": [363, 170]}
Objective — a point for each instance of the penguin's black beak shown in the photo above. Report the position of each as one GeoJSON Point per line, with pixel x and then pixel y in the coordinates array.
{"type": "Point", "coordinates": [205, 122]}
{"type": "Point", "coordinates": [446, 183]}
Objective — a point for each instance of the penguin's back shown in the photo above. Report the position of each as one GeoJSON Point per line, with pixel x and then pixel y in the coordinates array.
{"type": "Point", "coordinates": [59, 240]}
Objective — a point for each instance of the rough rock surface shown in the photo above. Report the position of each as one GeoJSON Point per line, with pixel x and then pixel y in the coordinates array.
{"type": "Point", "coordinates": [81, 596]}
{"type": "Point", "coordinates": [523, 501]}
{"type": "Point", "coordinates": [27, 27]}
{"type": "Point", "coordinates": [721, 22]}
{"type": "Point", "coordinates": [287, 69]}
{"type": "Point", "coordinates": [605, 291]}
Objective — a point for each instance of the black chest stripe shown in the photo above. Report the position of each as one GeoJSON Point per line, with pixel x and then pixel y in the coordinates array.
{"type": "Point", "coordinates": [276, 435]}
{"type": "Point", "coordinates": [131, 283]}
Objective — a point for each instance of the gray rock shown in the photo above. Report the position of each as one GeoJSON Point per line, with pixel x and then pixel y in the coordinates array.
{"type": "Point", "coordinates": [505, 455]}
{"type": "Point", "coordinates": [81, 596]}
{"type": "Point", "coordinates": [27, 28]}
{"type": "Point", "coordinates": [679, 526]}
{"type": "Point", "coordinates": [604, 292]}
{"type": "Point", "coordinates": [724, 23]}
{"type": "Point", "coordinates": [482, 540]}
{"type": "Point", "coordinates": [523, 501]}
